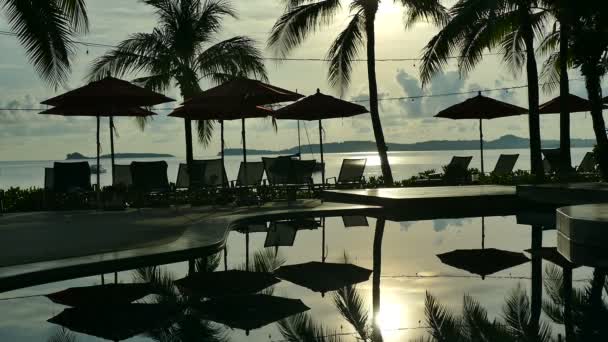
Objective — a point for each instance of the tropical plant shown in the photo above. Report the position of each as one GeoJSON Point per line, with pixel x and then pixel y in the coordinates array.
{"type": "Point", "coordinates": [62, 335]}
{"type": "Point", "coordinates": [182, 50]}
{"type": "Point", "coordinates": [475, 325]}
{"type": "Point", "coordinates": [477, 26]}
{"type": "Point", "coordinates": [303, 17]}
{"type": "Point", "coordinates": [47, 29]}
{"type": "Point", "coordinates": [588, 46]}
{"type": "Point", "coordinates": [587, 318]}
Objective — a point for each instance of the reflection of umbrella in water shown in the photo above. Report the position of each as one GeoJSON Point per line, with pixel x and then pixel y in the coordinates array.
{"type": "Point", "coordinates": [226, 283]}
{"type": "Point", "coordinates": [323, 276]}
{"type": "Point", "coordinates": [484, 261]}
{"type": "Point", "coordinates": [481, 107]}
{"type": "Point", "coordinates": [251, 311]}
{"type": "Point", "coordinates": [101, 295]}
{"type": "Point", "coordinates": [114, 323]}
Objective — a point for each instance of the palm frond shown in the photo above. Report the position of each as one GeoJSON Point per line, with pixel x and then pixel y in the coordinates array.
{"type": "Point", "coordinates": [444, 326]}
{"type": "Point", "coordinates": [301, 328]}
{"type": "Point", "coordinates": [46, 32]}
{"type": "Point", "coordinates": [353, 308]}
{"type": "Point", "coordinates": [344, 50]}
{"type": "Point", "coordinates": [210, 17]}
{"type": "Point", "coordinates": [237, 56]}
{"type": "Point", "coordinates": [428, 10]}
{"type": "Point", "coordinates": [518, 318]}
{"type": "Point", "coordinates": [207, 264]}
{"type": "Point", "coordinates": [266, 260]}
{"type": "Point", "coordinates": [62, 335]}
{"type": "Point", "coordinates": [477, 326]}
{"type": "Point", "coordinates": [161, 280]}
{"type": "Point", "coordinates": [298, 22]}
{"type": "Point", "coordinates": [204, 130]}
{"type": "Point", "coordinates": [76, 13]}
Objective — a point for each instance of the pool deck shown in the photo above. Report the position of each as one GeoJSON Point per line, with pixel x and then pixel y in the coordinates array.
{"type": "Point", "coordinates": [43, 247]}
{"type": "Point", "coordinates": [565, 194]}
{"type": "Point", "coordinates": [420, 203]}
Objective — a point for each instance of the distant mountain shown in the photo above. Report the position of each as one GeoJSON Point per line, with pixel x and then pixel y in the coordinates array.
{"type": "Point", "coordinates": [503, 143]}
{"type": "Point", "coordinates": [76, 156]}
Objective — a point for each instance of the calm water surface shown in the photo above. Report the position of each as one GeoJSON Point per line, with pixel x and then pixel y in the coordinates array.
{"type": "Point", "coordinates": [404, 165]}
{"type": "Point", "coordinates": [408, 251]}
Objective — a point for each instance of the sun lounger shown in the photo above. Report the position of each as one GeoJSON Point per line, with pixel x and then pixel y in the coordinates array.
{"type": "Point", "coordinates": [71, 177]}
{"type": "Point", "coordinates": [206, 173]}
{"type": "Point", "coordinates": [456, 171]}
{"type": "Point", "coordinates": [355, 221]}
{"type": "Point", "coordinates": [150, 182]}
{"type": "Point", "coordinates": [280, 234]}
{"type": "Point", "coordinates": [255, 172]}
{"type": "Point", "coordinates": [122, 176]}
{"type": "Point", "coordinates": [351, 173]}
{"type": "Point", "coordinates": [505, 164]}
{"type": "Point", "coordinates": [587, 165]}
{"type": "Point", "coordinates": [289, 174]}
{"type": "Point", "coordinates": [552, 160]}
{"type": "Point", "coordinates": [49, 178]}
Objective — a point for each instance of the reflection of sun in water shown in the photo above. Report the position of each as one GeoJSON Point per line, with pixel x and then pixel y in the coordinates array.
{"type": "Point", "coordinates": [389, 318]}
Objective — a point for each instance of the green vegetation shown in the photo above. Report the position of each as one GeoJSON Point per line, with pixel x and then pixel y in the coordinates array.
{"type": "Point", "coordinates": [182, 50]}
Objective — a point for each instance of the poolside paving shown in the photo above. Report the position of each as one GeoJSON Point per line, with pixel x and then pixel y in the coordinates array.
{"type": "Point", "coordinates": [50, 246]}
{"type": "Point", "coordinates": [419, 203]}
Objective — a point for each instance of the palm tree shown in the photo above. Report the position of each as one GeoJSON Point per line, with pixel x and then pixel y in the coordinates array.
{"type": "Point", "coordinates": [47, 29]}
{"type": "Point", "coordinates": [588, 45]}
{"type": "Point", "coordinates": [303, 17]}
{"type": "Point", "coordinates": [477, 26]}
{"type": "Point", "coordinates": [181, 50]}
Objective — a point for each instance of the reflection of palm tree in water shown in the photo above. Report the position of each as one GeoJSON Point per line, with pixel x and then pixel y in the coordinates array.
{"type": "Point", "coordinates": [349, 303]}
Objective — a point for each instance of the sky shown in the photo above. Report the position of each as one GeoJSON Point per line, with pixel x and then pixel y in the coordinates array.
{"type": "Point", "coordinates": [25, 135]}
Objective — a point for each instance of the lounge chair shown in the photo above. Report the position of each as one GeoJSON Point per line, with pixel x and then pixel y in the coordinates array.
{"type": "Point", "coordinates": [280, 234]}
{"type": "Point", "coordinates": [355, 221]}
{"type": "Point", "coordinates": [505, 164]}
{"type": "Point", "coordinates": [206, 173]}
{"type": "Point", "coordinates": [456, 172]}
{"type": "Point", "coordinates": [150, 181]}
{"type": "Point", "coordinates": [255, 172]}
{"type": "Point", "coordinates": [122, 176]}
{"type": "Point", "coordinates": [289, 174]}
{"type": "Point", "coordinates": [351, 173]}
{"type": "Point", "coordinates": [71, 177]}
{"type": "Point", "coordinates": [587, 165]}
{"type": "Point", "coordinates": [49, 178]}
{"type": "Point", "coordinates": [552, 161]}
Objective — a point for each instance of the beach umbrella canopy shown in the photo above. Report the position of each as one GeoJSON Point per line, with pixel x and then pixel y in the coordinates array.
{"type": "Point", "coordinates": [575, 104]}
{"type": "Point", "coordinates": [238, 97]}
{"type": "Point", "coordinates": [319, 107]}
{"type": "Point", "coordinates": [551, 254]}
{"type": "Point", "coordinates": [250, 312]}
{"type": "Point", "coordinates": [109, 91]}
{"type": "Point", "coordinates": [114, 323]}
{"type": "Point", "coordinates": [484, 261]}
{"type": "Point", "coordinates": [323, 276]}
{"type": "Point", "coordinates": [226, 283]}
{"type": "Point", "coordinates": [110, 96]}
{"type": "Point", "coordinates": [101, 295]}
{"type": "Point", "coordinates": [481, 108]}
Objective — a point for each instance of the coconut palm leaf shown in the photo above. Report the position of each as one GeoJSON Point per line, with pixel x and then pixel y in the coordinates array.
{"type": "Point", "coordinates": [209, 263]}
{"type": "Point", "coordinates": [344, 50]}
{"type": "Point", "coordinates": [477, 326]}
{"type": "Point", "coordinates": [62, 335]}
{"type": "Point", "coordinates": [518, 318]}
{"type": "Point", "coordinates": [444, 326]}
{"type": "Point", "coordinates": [234, 56]}
{"type": "Point", "coordinates": [46, 29]}
{"type": "Point", "coordinates": [353, 308]}
{"type": "Point", "coordinates": [301, 328]}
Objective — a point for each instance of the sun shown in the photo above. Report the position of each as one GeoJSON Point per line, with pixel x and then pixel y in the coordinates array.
{"type": "Point", "coordinates": [389, 318]}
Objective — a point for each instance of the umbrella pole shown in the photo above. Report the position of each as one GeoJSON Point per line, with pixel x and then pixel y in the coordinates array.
{"type": "Point", "coordinates": [321, 150]}
{"type": "Point", "coordinates": [225, 258]}
{"type": "Point", "coordinates": [247, 251]}
{"type": "Point", "coordinates": [224, 181]}
{"type": "Point", "coordinates": [98, 190]}
{"type": "Point", "coordinates": [112, 145]}
{"type": "Point", "coordinates": [299, 141]}
{"type": "Point", "coordinates": [323, 239]}
{"type": "Point", "coordinates": [483, 232]}
{"type": "Point", "coordinates": [244, 148]}
{"type": "Point", "coordinates": [481, 144]}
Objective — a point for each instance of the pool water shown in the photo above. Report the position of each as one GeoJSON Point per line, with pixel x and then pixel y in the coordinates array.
{"type": "Point", "coordinates": [406, 256]}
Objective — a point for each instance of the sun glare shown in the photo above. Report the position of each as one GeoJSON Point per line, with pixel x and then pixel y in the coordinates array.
{"type": "Point", "coordinates": [389, 318]}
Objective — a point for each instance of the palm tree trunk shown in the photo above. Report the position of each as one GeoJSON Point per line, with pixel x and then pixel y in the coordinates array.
{"type": "Point", "coordinates": [377, 272]}
{"type": "Point", "coordinates": [564, 90]}
{"type": "Point", "coordinates": [594, 90]}
{"type": "Point", "coordinates": [370, 17]}
{"type": "Point", "coordinates": [537, 276]}
{"type": "Point", "coordinates": [189, 152]}
{"type": "Point", "coordinates": [536, 162]}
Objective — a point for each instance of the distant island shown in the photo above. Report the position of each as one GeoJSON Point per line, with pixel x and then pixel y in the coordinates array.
{"type": "Point", "coordinates": [503, 143]}
{"type": "Point", "coordinates": [76, 156]}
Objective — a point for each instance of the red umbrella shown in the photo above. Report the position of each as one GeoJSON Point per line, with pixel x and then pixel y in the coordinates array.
{"type": "Point", "coordinates": [318, 107]}
{"type": "Point", "coordinates": [107, 97]}
{"type": "Point", "coordinates": [574, 103]}
{"type": "Point", "coordinates": [481, 107]}
{"type": "Point", "coordinates": [220, 113]}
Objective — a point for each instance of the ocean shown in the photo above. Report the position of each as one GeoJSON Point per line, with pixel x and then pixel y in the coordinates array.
{"type": "Point", "coordinates": [404, 164]}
